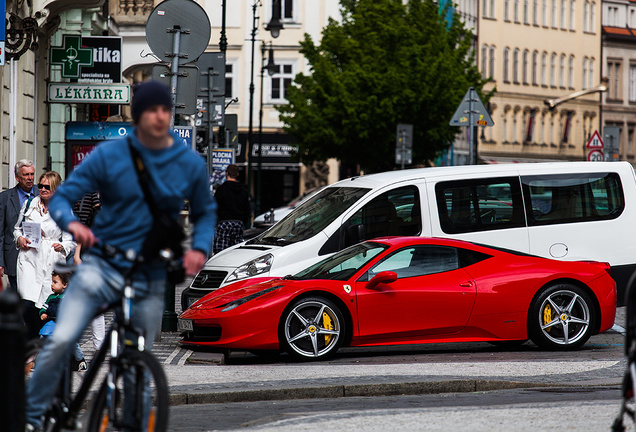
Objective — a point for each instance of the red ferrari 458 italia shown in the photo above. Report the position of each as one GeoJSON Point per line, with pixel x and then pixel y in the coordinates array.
{"type": "Point", "coordinates": [408, 290]}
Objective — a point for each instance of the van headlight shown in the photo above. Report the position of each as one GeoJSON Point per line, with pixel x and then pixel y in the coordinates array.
{"type": "Point", "coordinates": [252, 268]}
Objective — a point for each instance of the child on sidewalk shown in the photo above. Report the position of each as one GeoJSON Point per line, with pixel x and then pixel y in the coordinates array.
{"type": "Point", "coordinates": [48, 313]}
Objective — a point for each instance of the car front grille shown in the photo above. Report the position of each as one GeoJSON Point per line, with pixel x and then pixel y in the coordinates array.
{"type": "Point", "coordinates": [203, 334]}
{"type": "Point", "coordinates": [209, 279]}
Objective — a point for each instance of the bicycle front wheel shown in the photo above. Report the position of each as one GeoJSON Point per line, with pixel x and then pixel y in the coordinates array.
{"type": "Point", "coordinates": [136, 400]}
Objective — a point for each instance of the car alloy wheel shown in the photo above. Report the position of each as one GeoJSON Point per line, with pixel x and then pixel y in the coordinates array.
{"type": "Point", "coordinates": [562, 318]}
{"type": "Point", "coordinates": [312, 328]}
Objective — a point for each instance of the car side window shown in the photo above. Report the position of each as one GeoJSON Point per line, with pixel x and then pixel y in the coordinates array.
{"type": "Point", "coordinates": [419, 261]}
{"type": "Point", "coordinates": [570, 198]}
{"type": "Point", "coordinates": [480, 204]}
{"type": "Point", "coordinates": [393, 213]}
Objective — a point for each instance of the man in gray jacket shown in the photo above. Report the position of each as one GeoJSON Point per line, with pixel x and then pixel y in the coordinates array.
{"type": "Point", "coordinates": [11, 201]}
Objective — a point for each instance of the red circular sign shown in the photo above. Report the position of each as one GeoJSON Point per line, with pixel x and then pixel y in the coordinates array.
{"type": "Point", "coordinates": [595, 156]}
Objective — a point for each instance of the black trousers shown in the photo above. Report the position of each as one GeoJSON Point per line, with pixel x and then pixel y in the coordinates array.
{"type": "Point", "coordinates": [31, 317]}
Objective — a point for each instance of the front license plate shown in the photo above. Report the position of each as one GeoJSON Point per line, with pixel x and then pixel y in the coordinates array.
{"type": "Point", "coordinates": [184, 325]}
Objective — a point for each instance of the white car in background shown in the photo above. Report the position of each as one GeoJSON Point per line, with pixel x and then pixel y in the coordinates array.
{"type": "Point", "coordinates": [269, 218]}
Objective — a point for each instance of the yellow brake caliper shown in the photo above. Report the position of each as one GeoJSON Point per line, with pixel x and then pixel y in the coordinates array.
{"type": "Point", "coordinates": [327, 324]}
{"type": "Point", "coordinates": [547, 316]}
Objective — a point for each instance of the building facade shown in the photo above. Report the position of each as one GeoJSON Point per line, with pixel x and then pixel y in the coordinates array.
{"type": "Point", "coordinates": [619, 62]}
{"type": "Point", "coordinates": [535, 51]}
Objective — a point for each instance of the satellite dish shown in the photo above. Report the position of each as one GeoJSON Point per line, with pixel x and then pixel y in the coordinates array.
{"type": "Point", "coordinates": [184, 15]}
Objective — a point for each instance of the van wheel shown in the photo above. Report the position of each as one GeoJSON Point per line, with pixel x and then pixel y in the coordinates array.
{"type": "Point", "coordinates": [311, 328]}
{"type": "Point", "coordinates": [561, 318]}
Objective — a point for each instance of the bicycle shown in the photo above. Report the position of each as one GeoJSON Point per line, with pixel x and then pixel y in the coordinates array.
{"type": "Point", "coordinates": [115, 403]}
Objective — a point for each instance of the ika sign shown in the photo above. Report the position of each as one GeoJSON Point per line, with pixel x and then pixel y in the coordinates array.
{"type": "Point", "coordinates": [89, 93]}
{"type": "Point", "coordinates": [106, 66]}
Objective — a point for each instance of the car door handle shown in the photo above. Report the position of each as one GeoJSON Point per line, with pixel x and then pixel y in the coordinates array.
{"type": "Point", "coordinates": [466, 284]}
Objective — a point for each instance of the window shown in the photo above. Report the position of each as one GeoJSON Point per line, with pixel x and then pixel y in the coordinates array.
{"type": "Point", "coordinates": [492, 9]}
{"type": "Point", "coordinates": [524, 73]}
{"type": "Point", "coordinates": [553, 69]}
{"type": "Point", "coordinates": [586, 15]}
{"type": "Point", "coordinates": [568, 198]}
{"type": "Point", "coordinates": [343, 265]}
{"type": "Point", "coordinates": [563, 14]}
{"type": "Point", "coordinates": [572, 15]}
{"type": "Point", "coordinates": [484, 7]}
{"type": "Point", "coordinates": [484, 61]}
{"type": "Point", "coordinates": [479, 205]}
{"type": "Point", "coordinates": [492, 62]}
{"type": "Point", "coordinates": [535, 12]}
{"type": "Point", "coordinates": [584, 78]}
{"type": "Point", "coordinates": [632, 83]}
{"type": "Point", "coordinates": [614, 70]}
{"type": "Point", "coordinates": [515, 66]}
{"type": "Point", "coordinates": [281, 80]}
{"type": "Point", "coordinates": [562, 71]}
{"type": "Point", "coordinates": [229, 80]}
{"type": "Point", "coordinates": [286, 9]}
{"type": "Point", "coordinates": [571, 72]}
{"type": "Point", "coordinates": [544, 68]}
{"type": "Point", "coordinates": [591, 74]}
{"type": "Point", "coordinates": [544, 13]}
{"type": "Point", "coordinates": [516, 11]}
{"type": "Point", "coordinates": [554, 14]}
{"type": "Point", "coordinates": [535, 59]}
{"type": "Point", "coordinates": [526, 13]}
{"type": "Point", "coordinates": [396, 212]}
{"type": "Point", "coordinates": [506, 65]}
{"type": "Point", "coordinates": [507, 10]}
{"type": "Point", "coordinates": [592, 24]}
{"type": "Point", "coordinates": [425, 260]}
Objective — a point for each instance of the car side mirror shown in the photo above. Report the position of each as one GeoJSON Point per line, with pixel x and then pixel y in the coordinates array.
{"type": "Point", "coordinates": [354, 234]}
{"type": "Point", "coordinates": [381, 278]}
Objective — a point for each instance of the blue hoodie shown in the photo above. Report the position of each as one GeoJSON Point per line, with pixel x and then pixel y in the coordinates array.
{"type": "Point", "coordinates": [176, 172]}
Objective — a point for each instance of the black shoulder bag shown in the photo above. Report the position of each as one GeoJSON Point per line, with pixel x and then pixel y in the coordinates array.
{"type": "Point", "coordinates": [165, 233]}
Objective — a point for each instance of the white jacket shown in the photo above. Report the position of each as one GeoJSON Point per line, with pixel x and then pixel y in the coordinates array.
{"type": "Point", "coordinates": [36, 265]}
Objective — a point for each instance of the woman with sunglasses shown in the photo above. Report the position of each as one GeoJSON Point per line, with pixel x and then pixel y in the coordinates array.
{"type": "Point", "coordinates": [35, 262]}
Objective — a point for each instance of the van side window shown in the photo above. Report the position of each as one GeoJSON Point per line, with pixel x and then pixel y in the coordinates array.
{"type": "Point", "coordinates": [393, 213]}
{"type": "Point", "coordinates": [568, 198]}
{"type": "Point", "coordinates": [479, 204]}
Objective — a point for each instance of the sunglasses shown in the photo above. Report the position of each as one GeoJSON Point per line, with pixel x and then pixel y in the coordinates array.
{"type": "Point", "coordinates": [43, 186]}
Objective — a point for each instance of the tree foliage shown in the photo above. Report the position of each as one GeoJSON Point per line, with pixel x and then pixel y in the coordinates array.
{"type": "Point", "coordinates": [386, 63]}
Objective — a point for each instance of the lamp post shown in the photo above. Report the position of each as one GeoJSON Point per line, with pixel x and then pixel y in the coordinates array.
{"type": "Point", "coordinates": [271, 69]}
{"type": "Point", "coordinates": [274, 27]}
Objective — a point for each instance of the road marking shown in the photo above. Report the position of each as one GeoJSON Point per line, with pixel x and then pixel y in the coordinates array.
{"type": "Point", "coordinates": [172, 355]}
{"type": "Point", "coordinates": [185, 357]}
{"type": "Point", "coordinates": [619, 329]}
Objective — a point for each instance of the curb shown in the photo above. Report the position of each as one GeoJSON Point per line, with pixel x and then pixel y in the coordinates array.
{"type": "Point", "coordinates": [349, 390]}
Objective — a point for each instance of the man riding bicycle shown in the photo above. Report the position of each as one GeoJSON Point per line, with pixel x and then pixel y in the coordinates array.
{"type": "Point", "coordinates": [128, 220]}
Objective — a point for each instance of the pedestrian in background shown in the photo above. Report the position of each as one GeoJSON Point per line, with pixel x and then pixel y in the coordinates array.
{"type": "Point", "coordinates": [86, 210]}
{"type": "Point", "coordinates": [11, 201]}
{"type": "Point", "coordinates": [233, 211]}
{"type": "Point", "coordinates": [35, 265]}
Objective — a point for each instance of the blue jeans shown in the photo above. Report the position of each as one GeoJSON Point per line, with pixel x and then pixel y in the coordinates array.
{"type": "Point", "coordinates": [94, 285]}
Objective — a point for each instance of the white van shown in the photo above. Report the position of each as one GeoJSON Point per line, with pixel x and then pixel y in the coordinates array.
{"type": "Point", "coordinates": [562, 210]}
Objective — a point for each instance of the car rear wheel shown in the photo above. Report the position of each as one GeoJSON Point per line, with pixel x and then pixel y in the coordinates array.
{"type": "Point", "coordinates": [562, 317]}
{"type": "Point", "coordinates": [312, 328]}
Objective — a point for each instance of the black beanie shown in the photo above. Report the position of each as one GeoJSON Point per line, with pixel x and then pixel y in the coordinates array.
{"type": "Point", "coordinates": [148, 94]}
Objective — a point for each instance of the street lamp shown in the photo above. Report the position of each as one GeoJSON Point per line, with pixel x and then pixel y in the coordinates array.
{"type": "Point", "coordinates": [274, 26]}
{"type": "Point", "coordinates": [271, 69]}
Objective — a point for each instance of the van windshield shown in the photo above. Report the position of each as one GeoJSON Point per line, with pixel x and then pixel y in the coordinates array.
{"type": "Point", "coordinates": [312, 216]}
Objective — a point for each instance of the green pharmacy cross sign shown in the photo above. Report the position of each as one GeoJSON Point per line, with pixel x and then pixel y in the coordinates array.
{"type": "Point", "coordinates": [71, 56]}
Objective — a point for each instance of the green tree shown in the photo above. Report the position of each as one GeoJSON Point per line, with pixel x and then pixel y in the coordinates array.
{"type": "Point", "coordinates": [385, 63]}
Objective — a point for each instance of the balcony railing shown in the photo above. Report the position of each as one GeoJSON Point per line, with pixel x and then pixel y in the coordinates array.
{"type": "Point", "coordinates": [130, 11]}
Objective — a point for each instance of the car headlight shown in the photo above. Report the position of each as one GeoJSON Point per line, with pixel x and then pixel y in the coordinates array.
{"type": "Point", "coordinates": [252, 268]}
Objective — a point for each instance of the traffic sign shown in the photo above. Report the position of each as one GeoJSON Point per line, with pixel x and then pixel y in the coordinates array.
{"type": "Point", "coordinates": [595, 156]}
{"type": "Point", "coordinates": [595, 142]}
{"type": "Point", "coordinates": [471, 104]}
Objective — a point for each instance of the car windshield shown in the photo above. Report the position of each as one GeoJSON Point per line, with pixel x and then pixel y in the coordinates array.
{"type": "Point", "coordinates": [344, 264]}
{"type": "Point", "coordinates": [312, 216]}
